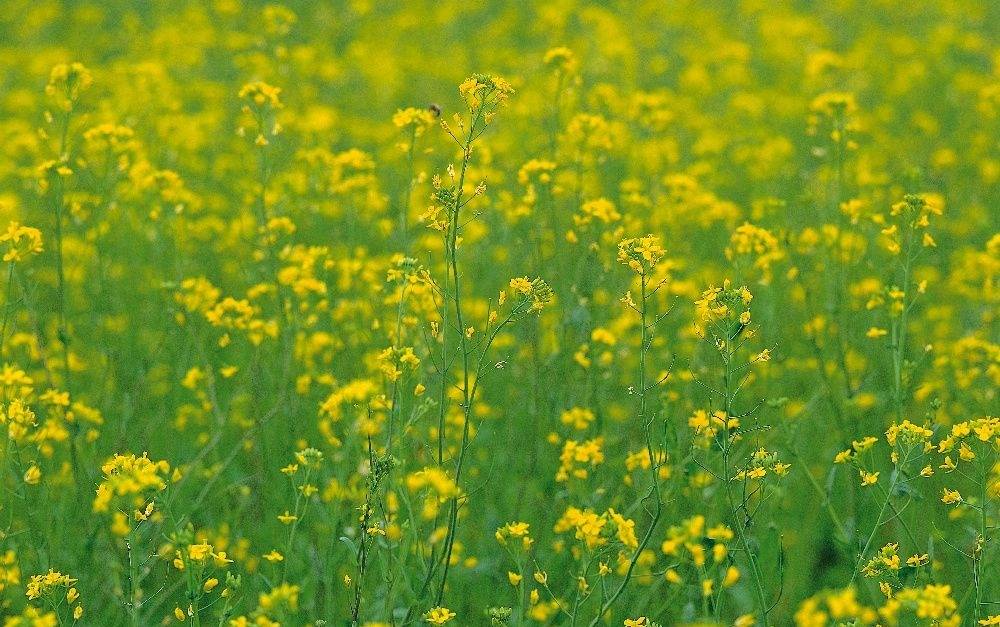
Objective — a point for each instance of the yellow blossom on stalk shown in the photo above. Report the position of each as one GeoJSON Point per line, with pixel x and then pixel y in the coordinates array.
{"type": "Point", "coordinates": [536, 178]}
{"type": "Point", "coordinates": [434, 478]}
{"type": "Point", "coordinates": [886, 560]}
{"type": "Point", "coordinates": [561, 59]}
{"type": "Point", "coordinates": [907, 434]}
{"type": "Point", "coordinates": [864, 444]}
{"type": "Point", "coordinates": [42, 585]}
{"type": "Point", "coordinates": [439, 615]}
{"type": "Point", "coordinates": [53, 589]}
{"type": "Point", "coordinates": [835, 114]}
{"type": "Point", "coordinates": [485, 91]}
{"type": "Point", "coordinates": [756, 244]}
{"type": "Point", "coordinates": [530, 295]}
{"type": "Point", "coordinates": [19, 419]}
{"type": "Point", "coordinates": [586, 524]}
{"type": "Point", "coordinates": [838, 605]}
{"type": "Point", "coordinates": [624, 529]}
{"type": "Point", "coordinates": [32, 475]}
{"type": "Point", "coordinates": [707, 587]}
{"type": "Point", "coordinates": [129, 478]}
{"type": "Point", "coordinates": [641, 254]}
{"type": "Point", "coordinates": [66, 82]}
{"type": "Point", "coordinates": [261, 94]}
{"type": "Point", "coordinates": [932, 603]}
{"type": "Point", "coordinates": [273, 556]}
{"type": "Point", "coordinates": [600, 210]}
{"type": "Point", "coordinates": [578, 417]}
{"type": "Point", "coordinates": [731, 577]}
{"type": "Point", "coordinates": [518, 530]}
{"type": "Point", "coordinates": [20, 242]}
{"type": "Point", "coordinates": [951, 497]}
{"type": "Point", "coordinates": [199, 552]}
{"type": "Point", "coordinates": [283, 597]}
{"type": "Point", "coordinates": [418, 119]}
{"type": "Point", "coordinates": [577, 458]}
{"type": "Point", "coordinates": [830, 103]}
{"type": "Point", "coordinates": [10, 571]}
{"type": "Point", "coordinates": [723, 312]}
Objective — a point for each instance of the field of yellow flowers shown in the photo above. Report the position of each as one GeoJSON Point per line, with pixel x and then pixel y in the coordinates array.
{"type": "Point", "coordinates": [382, 313]}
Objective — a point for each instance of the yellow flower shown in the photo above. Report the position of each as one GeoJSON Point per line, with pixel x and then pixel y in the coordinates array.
{"type": "Point", "coordinates": [439, 615]}
{"type": "Point", "coordinates": [563, 60]}
{"type": "Point", "coordinates": [199, 552]}
{"type": "Point", "coordinates": [640, 254]}
{"type": "Point", "coordinates": [707, 586]}
{"type": "Point", "coordinates": [32, 475]}
{"type": "Point", "coordinates": [43, 585]}
{"type": "Point", "coordinates": [732, 576]}
{"type": "Point", "coordinates": [261, 94]}
{"type": "Point", "coordinates": [485, 92]}
{"type": "Point", "coordinates": [951, 497]}
{"type": "Point", "coordinates": [843, 456]}
{"type": "Point", "coordinates": [417, 119]}
{"type": "Point", "coordinates": [20, 241]}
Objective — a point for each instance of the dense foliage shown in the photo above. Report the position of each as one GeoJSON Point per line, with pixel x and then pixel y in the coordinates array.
{"type": "Point", "coordinates": [572, 313]}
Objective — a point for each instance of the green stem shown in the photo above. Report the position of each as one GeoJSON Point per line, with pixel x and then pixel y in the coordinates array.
{"type": "Point", "coordinates": [737, 523]}
{"type": "Point", "coordinates": [654, 490]}
{"type": "Point", "coordinates": [452, 252]}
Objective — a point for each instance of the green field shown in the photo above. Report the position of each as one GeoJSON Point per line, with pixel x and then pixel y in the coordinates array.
{"type": "Point", "coordinates": [387, 313]}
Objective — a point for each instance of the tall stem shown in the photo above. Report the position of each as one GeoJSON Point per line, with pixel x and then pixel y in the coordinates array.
{"type": "Point", "coordinates": [730, 396]}
{"type": "Point", "coordinates": [654, 489]}
{"type": "Point", "coordinates": [452, 252]}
